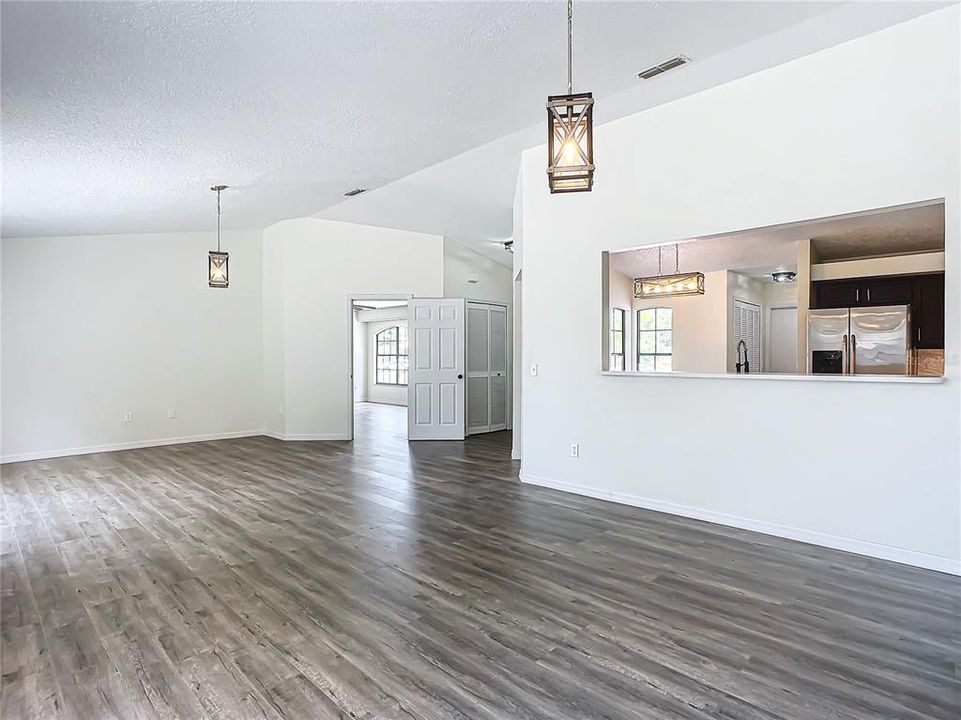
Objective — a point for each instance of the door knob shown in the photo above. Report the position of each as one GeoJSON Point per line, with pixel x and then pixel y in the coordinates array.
{"type": "Point", "coordinates": [460, 377]}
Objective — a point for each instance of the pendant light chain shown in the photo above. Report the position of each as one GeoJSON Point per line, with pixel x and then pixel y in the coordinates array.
{"type": "Point", "coordinates": [659, 273]}
{"type": "Point", "coordinates": [218, 219]}
{"type": "Point", "coordinates": [570, 43]}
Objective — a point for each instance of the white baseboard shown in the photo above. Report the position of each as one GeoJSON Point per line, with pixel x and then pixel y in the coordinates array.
{"type": "Point", "coordinates": [304, 437]}
{"type": "Point", "coordinates": [138, 444]}
{"type": "Point", "coordinates": [813, 537]}
{"type": "Point", "coordinates": [133, 445]}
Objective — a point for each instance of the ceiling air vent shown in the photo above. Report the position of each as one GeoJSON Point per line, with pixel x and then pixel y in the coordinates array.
{"type": "Point", "coordinates": [355, 191]}
{"type": "Point", "coordinates": [663, 67]}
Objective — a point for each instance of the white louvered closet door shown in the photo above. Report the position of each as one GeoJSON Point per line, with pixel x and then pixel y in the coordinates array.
{"type": "Point", "coordinates": [487, 368]}
{"type": "Point", "coordinates": [478, 369]}
{"type": "Point", "coordinates": [498, 365]}
{"type": "Point", "coordinates": [747, 327]}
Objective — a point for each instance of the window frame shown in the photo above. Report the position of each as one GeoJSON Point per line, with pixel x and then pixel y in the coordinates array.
{"type": "Point", "coordinates": [611, 364]}
{"type": "Point", "coordinates": [394, 352]}
{"type": "Point", "coordinates": [654, 332]}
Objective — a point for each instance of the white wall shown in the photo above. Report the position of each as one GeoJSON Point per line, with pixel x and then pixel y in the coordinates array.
{"type": "Point", "coordinates": [273, 336]}
{"type": "Point", "coordinates": [359, 330]}
{"type": "Point", "coordinates": [97, 326]}
{"type": "Point", "coordinates": [868, 124]}
{"type": "Point", "coordinates": [699, 326]}
{"type": "Point", "coordinates": [323, 263]}
{"type": "Point", "coordinates": [374, 321]}
{"type": "Point", "coordinates": [494, 282]}
{"type": "Point", "coordinates": [777, 295]}
{"type": "Point", "coordinates": [517, 326]}
{"type": "Point", "coordinates": [621, 293]}
{"type": "Point", "coordinates": [892, 265]}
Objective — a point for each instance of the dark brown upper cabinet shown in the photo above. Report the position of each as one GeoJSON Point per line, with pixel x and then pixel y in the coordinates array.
{"type": "Point", "coordinates": [924, 293]}
{"type": "Point", "coordinates": [927, 312]}
{"type": "Point", "coordinates": [835, 294]}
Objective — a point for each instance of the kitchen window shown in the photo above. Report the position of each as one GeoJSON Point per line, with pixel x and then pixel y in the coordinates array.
{"type": "Point", "coordinates": [617, 339]}
{"type": "Point", "coordinates": [391, 363]}
{"type": "Point", "coordinates": [655, 341]}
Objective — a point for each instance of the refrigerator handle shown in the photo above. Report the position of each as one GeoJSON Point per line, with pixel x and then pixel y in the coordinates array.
{"type": "Point", "coordinates": [854, 353]}
{"type": "Point", "coordinates": [844, 355]}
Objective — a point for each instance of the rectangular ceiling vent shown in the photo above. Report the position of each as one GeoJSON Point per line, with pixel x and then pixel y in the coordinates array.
{"type": "Point", "coordinates": [663, 67]}
{"type": "Point", "coordinates": [355, 191]}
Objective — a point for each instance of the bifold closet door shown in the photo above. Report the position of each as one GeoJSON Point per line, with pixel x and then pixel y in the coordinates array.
{"type": "Point", "coordinates": [498, 367]}
{"type": "Point", "coordinates": [486, 368]}
{"type": "Point", "coordinates": [478, 369]}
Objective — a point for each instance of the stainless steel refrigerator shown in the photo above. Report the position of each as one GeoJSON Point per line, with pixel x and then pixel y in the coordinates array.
{"type": "Point", "coordinates": [860, 341]}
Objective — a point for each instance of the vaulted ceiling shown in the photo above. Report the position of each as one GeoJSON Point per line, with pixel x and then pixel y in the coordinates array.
{"type": "Point", "coordinates": [117, 117]}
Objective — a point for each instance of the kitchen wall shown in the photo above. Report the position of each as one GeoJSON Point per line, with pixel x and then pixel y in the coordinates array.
{"type": "Point", "coordinates": [776, 296]}
{"type": "Point", "coordinates": [97, 326]}
{"type": "Point", "coordinates": [916, 263]}
{"type": "Point", "coordinates": [846, 129]}
{"type": "Point", "coordinates": [621, 289]}
{"type": "Point", "coordinates": [700, 326]}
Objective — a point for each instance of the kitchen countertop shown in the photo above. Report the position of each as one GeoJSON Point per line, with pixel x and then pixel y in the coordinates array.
{"type": "Point", "coordinates": [913, 379]}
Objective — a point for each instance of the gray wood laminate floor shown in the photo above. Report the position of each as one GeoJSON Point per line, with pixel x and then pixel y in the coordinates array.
{"type": "Point", "coordinates": [258, 579]}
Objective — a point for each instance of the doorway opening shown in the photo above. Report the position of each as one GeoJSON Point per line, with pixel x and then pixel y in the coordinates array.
{"type": "Point", "coordinates": [379, 369]}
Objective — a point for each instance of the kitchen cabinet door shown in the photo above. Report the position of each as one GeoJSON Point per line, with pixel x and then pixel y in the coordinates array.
{"type": "Point", "coordinates": [928, 312]}
{"type": "Point", "coordinates": [836, 294]}
{"type": "Point", "coordinates": [887, 291]}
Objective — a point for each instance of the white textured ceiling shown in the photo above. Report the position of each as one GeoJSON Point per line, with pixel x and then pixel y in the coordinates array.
{"type": "Point", "coordinates": [117, 117]}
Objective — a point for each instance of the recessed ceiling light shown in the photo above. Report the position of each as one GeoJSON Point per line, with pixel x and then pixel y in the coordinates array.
{"type": "Point", "coordinates": [355, 191]}
{"type": "Point", "coordinates": [784, 276]}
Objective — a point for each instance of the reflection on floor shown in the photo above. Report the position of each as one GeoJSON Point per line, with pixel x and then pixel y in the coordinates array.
{"type": "Point", "coordinates": [380, 427]}
{"type": "Point", "coordinates": [381, 579]}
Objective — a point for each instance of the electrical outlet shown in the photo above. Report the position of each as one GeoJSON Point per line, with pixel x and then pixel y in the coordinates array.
{"type": "Point", "coordinates": [172, 413]}
{"type": "Point", "coordinates": [128, 416]}
{"type": "Point", "coordinates": [575, 450]}
{"type": "Point", "coordinates": [534, 370]}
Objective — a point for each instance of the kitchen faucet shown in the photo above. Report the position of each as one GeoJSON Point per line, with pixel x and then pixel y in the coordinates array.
{"type": "Point", "coordinates": [746, 365]}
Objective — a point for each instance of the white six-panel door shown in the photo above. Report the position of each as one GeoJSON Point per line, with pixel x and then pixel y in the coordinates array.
{"type": "Point", "coordinates": [435, 386]}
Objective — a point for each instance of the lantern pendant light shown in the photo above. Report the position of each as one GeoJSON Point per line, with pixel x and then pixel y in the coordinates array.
{"type": "Point", "coordinates": [570, 132]}
{"type": "Point", "coordinates": [216, 260]}
{"type": "Point", "coordinates": [679, 283]}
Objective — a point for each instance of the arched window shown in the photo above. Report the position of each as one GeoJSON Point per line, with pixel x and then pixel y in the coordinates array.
{"type": "Point", "coordinates": [655, 341]}
{"type": "Point", "coordinates": [392, 356]}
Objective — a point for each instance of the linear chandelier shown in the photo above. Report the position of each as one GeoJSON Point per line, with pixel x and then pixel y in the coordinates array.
{"type": "Point", "coordinates": [216, 260]}
{"type": "Point", "coordinates": [675, 285]}
{"type": "Point", "coordinates": [570, 132]}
